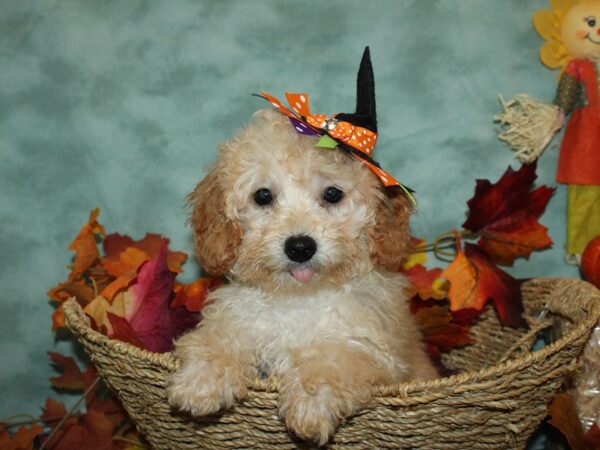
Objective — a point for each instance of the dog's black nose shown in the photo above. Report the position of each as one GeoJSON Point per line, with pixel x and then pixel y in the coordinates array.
{"type": "Point", "coordinates": [300, 248]}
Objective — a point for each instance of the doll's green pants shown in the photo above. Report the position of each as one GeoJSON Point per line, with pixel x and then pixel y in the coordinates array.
{"type": "Point", "coordinates": [583, 217]}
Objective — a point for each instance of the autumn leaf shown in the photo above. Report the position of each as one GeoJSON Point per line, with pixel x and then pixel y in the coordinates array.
{"type": "Point", "coordinates": [58, 319]}
{"type": "Point", "coordinates": [154, 322]}
{"type": "Point", "coordinates": [118, 285]}
{"type": "Point", "coordinates": [418, 256]}
{"type": "Point", "coordinates": [145, 314]}
{"type": "Point", "coordinates": [474, 280]}
{"type": "Point", "coordinates": [93, 430]}
{"type": "Point", "coordinates": [193, 295]}
{"type": "Point", "coordinates": [99, 308]}
{"type": "Point", "coordinates": [505, 215]}
{"type": "Point", "coordinates": [425, 283]}
{"type": "Point", "coordinates": [74, 288]}
{"type": "Point", "coordinates": [439, 329]}
{"type": "Point", "coordinates": [592, 438]}
{"type": "Point", "coordinates": [53, 412]}
{"type": "Point", "coordinates": [122, 254]}
{"type": "Point", "coordinates": [563, 417]}
{"type": "Point", "coordinates": [122, 330]}
{"type": "Point", "coordinates": [71, 377]}
{"type": "Point", "coordinates": [84, 245]}
{"type": "Point", "coordinates": [21, 440]}
{"type": "Point", "coordinates": [123, 257]}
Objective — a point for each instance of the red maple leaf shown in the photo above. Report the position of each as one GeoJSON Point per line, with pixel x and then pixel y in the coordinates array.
{"type": "Point", "coordinates": [122, 330]}
{"type": "Point", "coordinates": [53, 412]}
{"type": "Point", "coordinates": [440, 330]}
{"type": "Point", "coordinates": [21, 440]}
{"type": "Point", "coordinates": [505, 215]}
{"type": "Point", "coordinates": [150, 317]}
{"type": "Point", "coordinates": [474, 280]}
{"type": "Point", "coordinates": [92, 430]}
{"type": "Point", "coordinates": [71, 378]}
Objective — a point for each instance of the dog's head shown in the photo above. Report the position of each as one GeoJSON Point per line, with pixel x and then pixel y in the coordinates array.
{"type": "Point", "coordinates": [276, 210]}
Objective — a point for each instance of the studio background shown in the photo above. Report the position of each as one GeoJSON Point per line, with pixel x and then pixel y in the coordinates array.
{"type": "Point", "coordinates": [122, 104]}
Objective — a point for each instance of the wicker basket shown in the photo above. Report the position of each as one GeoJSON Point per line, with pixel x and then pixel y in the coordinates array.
{"type": "Point", "coordinates": [496, 402]}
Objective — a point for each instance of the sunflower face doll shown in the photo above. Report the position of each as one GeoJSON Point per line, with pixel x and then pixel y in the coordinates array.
{"type": "Point", "coordinates": [572, 32]}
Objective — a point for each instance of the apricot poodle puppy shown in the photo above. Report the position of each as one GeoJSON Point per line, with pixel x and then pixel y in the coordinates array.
{"type": "Point", "coordinates": [311, 243]}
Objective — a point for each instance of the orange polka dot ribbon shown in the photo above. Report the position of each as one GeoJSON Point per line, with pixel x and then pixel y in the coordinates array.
{"type": "Point", "coordinates": [358, 140]}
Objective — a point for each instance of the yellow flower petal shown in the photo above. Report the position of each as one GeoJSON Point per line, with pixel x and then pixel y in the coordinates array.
{"type": "Point", "coordinates": [544, 24]}
{"type": "Point", "coordinates": [551, 56]}
{"type": "Point", "coordinates": [563, 5]}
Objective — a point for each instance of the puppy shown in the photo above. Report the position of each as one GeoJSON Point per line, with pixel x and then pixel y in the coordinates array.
{"type": "Point", "coordinates": [311, 243]}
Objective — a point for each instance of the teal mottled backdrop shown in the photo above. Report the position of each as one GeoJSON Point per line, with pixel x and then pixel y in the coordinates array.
{"type": "Point", "coordinates": [121, 105]}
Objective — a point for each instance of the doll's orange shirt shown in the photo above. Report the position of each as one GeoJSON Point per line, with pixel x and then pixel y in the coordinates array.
{"type": "Point", "coordinates": [579, 160]}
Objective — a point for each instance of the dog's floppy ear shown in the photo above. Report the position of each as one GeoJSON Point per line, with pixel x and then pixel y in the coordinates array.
{"type": "Point", "coordinates": [389, 237]}
{"type": "Point", "coordinates": [217, 237]}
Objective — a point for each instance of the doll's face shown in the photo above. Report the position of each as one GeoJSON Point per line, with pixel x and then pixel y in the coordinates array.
{"type": "Point", "coordinates": [581, 30]}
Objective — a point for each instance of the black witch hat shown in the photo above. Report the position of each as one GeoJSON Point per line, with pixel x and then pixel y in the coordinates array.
{"type": "Point", "coordinates": [366, 114]}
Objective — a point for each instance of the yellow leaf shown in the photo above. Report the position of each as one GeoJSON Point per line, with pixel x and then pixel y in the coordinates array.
{"type": "Point", "coordinates": [440, 288]}
{"type": "Point", "coordinates": [549, 56]}
{"type": "Point", "coordinates": [418, 257]}
{"type": "Point", "coordinates": [99, 308]}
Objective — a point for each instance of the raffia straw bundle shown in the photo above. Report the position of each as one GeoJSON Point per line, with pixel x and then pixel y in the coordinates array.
{"type": "Point", "coordinates": [495, 402]}
{"type": "Point", "coordinates": [528, 126]}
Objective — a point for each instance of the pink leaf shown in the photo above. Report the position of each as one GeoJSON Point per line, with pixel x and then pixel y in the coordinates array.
{"type": "Point", "coordinates": [154, 322]}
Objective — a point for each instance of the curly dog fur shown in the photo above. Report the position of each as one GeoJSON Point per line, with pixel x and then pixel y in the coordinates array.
{"type": "Point", "coordinates": [329, 337]}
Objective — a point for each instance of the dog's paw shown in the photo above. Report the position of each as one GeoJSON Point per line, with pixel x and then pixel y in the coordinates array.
{"type": "Point", "coordinates": [313, 410]}
{"type": "Point", "coordinates": [202, 388]}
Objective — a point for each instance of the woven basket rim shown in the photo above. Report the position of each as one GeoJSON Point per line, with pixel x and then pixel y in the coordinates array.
{"type": "Point", "coordinates": [79, 323]}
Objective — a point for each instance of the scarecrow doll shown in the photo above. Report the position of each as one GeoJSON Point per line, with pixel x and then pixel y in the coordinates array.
{"type": "Point", "coordinates": [572, 33]}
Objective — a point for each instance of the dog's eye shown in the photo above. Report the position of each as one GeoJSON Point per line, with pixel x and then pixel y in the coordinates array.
{"type": "Point", "coordinates": [263, 197]}
{"type": "Point", "coordinates": [332, 195]}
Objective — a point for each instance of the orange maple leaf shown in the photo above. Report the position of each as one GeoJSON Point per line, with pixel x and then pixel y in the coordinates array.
{"type": "Point", "coordinates": [505, 215]}
{"type": "Point", "coordinates": [129, 260]}
{"type": "Point", "coordinates": [123, 254]}
{"type": "Point", "coordinates": [73, 288]}
{"type": "Point", "coordinates": [84, 245]}
{"type": "Point", "coordinates": [193, 295]}
{"type": "Point", "coordinates": [474, 280]}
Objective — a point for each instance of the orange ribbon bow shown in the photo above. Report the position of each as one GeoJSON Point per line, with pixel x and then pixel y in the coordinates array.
{"type": "Point", "coordinates": [360, 141]}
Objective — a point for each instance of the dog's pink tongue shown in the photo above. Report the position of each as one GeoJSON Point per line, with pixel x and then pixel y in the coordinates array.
{"type": "Point", "coordinates": [303, 274]}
